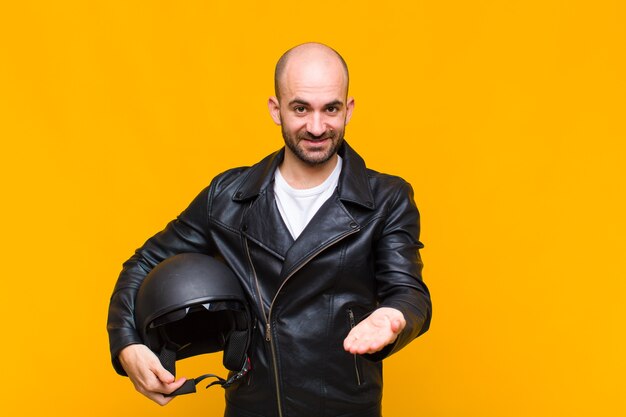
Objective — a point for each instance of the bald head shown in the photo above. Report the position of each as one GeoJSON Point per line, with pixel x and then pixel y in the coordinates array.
{"type": "Point", "coordinates": [308, 57]}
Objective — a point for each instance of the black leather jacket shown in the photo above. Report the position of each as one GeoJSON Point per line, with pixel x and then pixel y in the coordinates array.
{"type": "Point", "coordinates": [359, 252]}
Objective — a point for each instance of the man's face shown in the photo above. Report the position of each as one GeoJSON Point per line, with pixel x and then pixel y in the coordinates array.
{"type": "Point", "coordinates": [313, 111]}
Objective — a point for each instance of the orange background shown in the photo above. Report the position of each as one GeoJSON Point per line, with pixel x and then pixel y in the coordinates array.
{"type": "Point", "coordinates": [506, 116]}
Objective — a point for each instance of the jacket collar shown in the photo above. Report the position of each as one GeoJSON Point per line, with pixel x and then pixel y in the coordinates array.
{"type": "Point", "coordinates": [353, 184]}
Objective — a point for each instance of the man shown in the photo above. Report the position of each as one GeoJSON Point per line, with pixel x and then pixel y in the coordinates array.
{"type": "Point", "coordinates": [326, 250]}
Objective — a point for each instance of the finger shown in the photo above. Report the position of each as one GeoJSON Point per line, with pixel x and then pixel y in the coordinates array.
{"type": "Point", "coordinates": [349, 342]}
{"type": "Point", "coordinates": [355, 343]}
{"type": "Point", "coordinates": [159, 398]}
{"type": "Point", "coordinates": [367, 348]}
{"type": "Point", "coordinates": [157, 394]}
{"type": "Point", "coordinates": [374, 342]}
{"type": "Point", "coordinates": [365, 344]}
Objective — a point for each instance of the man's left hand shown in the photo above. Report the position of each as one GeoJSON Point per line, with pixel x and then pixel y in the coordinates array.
{"type": "Point", "coordinates": [375, 332]}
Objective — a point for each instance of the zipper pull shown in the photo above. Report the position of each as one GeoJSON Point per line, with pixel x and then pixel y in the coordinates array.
{"type": "Point", "coordinates": [268, 332]}
{"type": "Point", "coordinates": [351, 316]}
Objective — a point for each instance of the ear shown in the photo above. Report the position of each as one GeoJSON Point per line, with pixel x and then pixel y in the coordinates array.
{"type": "Point", "coordinates": [274, 107]}
{"type": "Point", "coordinates": [349, 108]}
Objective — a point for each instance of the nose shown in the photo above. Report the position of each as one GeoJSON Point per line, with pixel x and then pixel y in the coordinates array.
{"type": "Point", "coordinates": [315, 126]}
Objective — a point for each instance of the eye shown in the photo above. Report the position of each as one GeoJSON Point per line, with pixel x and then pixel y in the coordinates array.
{"type": "Point", "coordinates": [299, 109]}
{"type": "Point", "coordinates": [332, 109]}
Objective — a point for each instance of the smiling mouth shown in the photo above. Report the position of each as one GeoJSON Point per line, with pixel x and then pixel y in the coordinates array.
{"type": "Point", "coordinates": [316, 144]}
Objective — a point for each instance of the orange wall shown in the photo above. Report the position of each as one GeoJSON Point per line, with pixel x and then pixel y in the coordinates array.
{"type": "Point", "coordinates": [506, 116]}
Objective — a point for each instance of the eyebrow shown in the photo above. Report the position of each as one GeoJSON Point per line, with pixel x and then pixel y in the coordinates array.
{"type": "Point", "coordinates": [336, 103]}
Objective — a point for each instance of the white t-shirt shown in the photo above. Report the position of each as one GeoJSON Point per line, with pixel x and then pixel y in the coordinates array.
{"type": "Point", "coordinates": [298, 206]}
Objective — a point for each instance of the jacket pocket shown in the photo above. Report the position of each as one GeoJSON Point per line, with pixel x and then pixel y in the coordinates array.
{"type": "Point", "coordinates": [357, 360]}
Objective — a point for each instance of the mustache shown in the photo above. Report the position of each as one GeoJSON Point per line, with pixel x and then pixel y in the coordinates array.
{"type": "Point", "coordinates": [329, 134]}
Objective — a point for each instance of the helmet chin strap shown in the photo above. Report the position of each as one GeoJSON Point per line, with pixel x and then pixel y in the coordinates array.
{"type": "Point", "coordinates": [232, 358]}
{"type": "Point", "coordinates": [189, 386]}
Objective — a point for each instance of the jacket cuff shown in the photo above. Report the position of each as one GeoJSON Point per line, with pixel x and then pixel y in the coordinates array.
{"type": "Point", "coordinates": [119, 339]}
{"type": "Point", "coordinates": [415, 325]}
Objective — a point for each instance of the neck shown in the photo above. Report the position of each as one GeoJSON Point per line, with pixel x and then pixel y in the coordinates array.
{"type": "Point", "coordinates": [301, 175]}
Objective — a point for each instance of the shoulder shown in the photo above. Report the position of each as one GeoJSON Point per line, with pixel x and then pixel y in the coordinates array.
{"type": "Point", "coordinates": [387, 186]}
{"type": "Point", "coordinates": [229, 178]}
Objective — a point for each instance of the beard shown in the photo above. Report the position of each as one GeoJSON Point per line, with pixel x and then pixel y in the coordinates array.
{"type": "Point", "coordinates": [313, 158]}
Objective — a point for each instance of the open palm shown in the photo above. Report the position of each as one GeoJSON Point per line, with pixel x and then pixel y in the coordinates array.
{"type": "Point", "coordinates": [375, 332]}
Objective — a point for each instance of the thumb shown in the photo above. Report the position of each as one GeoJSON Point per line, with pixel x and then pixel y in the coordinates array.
{"type": "Point", "coordinates": [163, 374]}
{"type": "Point", "coordinates": [396, 326]}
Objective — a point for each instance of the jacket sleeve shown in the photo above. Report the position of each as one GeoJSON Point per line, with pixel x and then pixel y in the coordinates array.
{"type": "Point", "coordinates": [187, 233]}
{"type": "Point", "coordinates": [399, 269]}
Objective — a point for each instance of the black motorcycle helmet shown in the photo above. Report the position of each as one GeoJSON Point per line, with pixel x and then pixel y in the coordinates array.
{"type": "Point", "coordinates": [191, 304]}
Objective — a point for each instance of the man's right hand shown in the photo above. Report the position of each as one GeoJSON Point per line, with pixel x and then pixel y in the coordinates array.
{"type": "Point", "coordinates": [147, 374]}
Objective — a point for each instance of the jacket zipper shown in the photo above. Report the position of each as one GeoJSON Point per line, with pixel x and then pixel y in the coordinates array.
{"type": "Point", "coordinates": [356, 365]}
{"type": "Point", "coordinates": [268, 315]}
{"type": "Point", "coordinates": [267, 329]}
